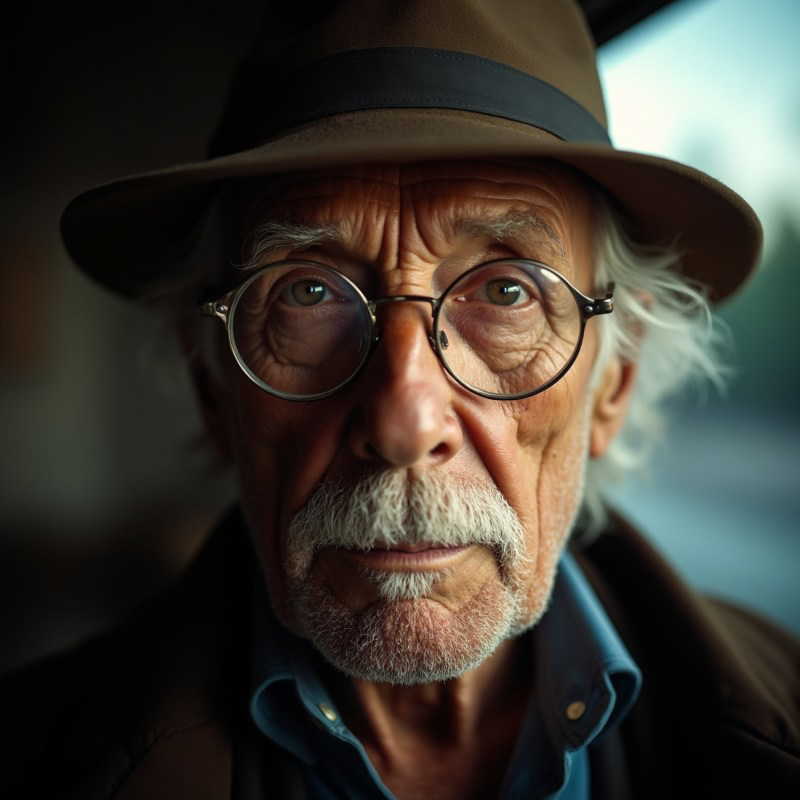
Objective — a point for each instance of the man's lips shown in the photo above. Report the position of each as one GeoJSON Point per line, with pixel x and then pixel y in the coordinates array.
{"type": "Point", "coordinates": [408, 548]}
{"type": "Point", "coordinates": [402, 555]}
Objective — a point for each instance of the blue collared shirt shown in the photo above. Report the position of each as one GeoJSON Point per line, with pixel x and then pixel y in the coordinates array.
{"type": "Point", "coordinates": [586, 682]}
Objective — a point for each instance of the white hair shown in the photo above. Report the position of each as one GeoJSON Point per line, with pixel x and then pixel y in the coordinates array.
{"type": "Point", "coordinates": [662, 320]}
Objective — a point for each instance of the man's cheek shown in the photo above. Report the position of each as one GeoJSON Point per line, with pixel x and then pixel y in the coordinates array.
{"type": "Point", "coordinates": [261, 418]}
{"type": "Point", "coordinates": [545, 415]}
{"type": "Point", "coordinates": [267, 449]}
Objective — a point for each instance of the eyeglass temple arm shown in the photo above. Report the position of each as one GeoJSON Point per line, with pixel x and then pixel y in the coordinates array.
{"type": "Point", "coordinates": [214, 307]}
{"type": "Point", "coordinates": [599, 305]}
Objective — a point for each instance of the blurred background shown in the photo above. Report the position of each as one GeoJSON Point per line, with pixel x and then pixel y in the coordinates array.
{"type": "Point", "coordinates": [106, 488]}
{"type": "Point", "coordinates": [716, 84]}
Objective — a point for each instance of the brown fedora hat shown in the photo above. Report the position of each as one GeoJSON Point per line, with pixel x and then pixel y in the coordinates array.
{"type": "Point", "coordinates": [355, 81]}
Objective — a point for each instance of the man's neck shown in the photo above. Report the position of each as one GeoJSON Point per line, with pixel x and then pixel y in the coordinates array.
{"type": "Point", "coordinates": [443, 740]}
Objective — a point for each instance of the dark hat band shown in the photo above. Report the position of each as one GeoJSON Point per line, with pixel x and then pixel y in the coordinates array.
{"type": "Point", "coordinates": [413, 77]}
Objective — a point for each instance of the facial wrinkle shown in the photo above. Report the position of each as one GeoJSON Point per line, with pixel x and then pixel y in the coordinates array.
{"type": "Point", "coordinates": [564, 492]}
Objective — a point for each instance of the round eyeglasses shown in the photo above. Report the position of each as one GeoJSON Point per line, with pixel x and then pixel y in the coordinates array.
{"type": "Point", "coordinates": [506, 329]}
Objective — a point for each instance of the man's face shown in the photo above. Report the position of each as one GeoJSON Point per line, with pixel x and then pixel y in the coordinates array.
{"type": "Point", "coordinates": [422, 455]}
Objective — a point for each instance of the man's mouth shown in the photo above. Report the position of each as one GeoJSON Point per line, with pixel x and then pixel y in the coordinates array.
{"type": "Point", "coordinates": [403, 547]}
{"type": "Point", "coordinates": [401, 555]}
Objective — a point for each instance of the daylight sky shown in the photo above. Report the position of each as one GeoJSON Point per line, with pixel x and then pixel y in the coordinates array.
{"type": "Point", "coordinates": [715, 84]}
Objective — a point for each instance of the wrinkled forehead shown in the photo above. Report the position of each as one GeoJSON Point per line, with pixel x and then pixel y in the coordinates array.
{"type": "Point", "coordinates": [542, 203]}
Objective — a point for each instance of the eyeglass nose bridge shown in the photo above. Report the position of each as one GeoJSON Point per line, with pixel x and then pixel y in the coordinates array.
{"type": "Point", "coordinates": [442, 344]}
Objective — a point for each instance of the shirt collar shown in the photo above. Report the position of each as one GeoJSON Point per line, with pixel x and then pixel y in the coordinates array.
{"type": "Point", "coordinates": [585, 681]}
{"type": "Point", "coordinates": [285, 682]}
{"type": "Point", "coordinates": [588, 681]}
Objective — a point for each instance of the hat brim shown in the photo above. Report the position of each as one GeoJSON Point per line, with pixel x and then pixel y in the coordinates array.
{"type": "Point", "coordinates": [123, 233]}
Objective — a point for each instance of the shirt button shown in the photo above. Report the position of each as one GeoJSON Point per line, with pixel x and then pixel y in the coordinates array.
{"type": "Point", "coordinates": [576, 710]}
{"type": "Point", "coordinates": [327, 712]}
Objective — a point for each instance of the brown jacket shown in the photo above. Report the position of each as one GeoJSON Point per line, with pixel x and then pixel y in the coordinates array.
{"type": "Point", "coordinates": [156, 709]}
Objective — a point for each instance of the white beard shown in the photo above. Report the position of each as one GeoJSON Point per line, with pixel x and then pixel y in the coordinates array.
{"type": "Point", "coordinates": [393, 585]}
{"type": "Point", "coordinates": [406, 638]}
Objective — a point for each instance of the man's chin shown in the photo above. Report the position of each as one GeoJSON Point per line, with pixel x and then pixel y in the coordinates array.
{"type": "Point", "coordinates": [407, 641]}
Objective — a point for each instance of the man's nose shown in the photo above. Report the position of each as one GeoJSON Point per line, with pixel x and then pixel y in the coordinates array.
{"type": "Point", "coordinates": [405, 416]}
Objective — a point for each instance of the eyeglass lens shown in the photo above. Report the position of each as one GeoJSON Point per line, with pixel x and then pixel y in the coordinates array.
{"type": "Point", "coordinates": [301, 329]}
{"type": "Point", "coordinates": [504, 328]}
{"type": "Point", "coordinates": [511, 327]}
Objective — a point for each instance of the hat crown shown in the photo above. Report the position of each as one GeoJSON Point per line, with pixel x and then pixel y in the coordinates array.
{"type": "Point", "coordinates": [546, 39]}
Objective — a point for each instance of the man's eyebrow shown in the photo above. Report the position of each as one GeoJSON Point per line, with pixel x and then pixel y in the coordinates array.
{"type": "Point", "coordinates": [515, 224]}
{"type": "Point", "coordinates": [273, 236]}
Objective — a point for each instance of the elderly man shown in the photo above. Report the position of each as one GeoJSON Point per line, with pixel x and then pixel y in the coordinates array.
{"type": "Point", "coordinates": [419, 321]}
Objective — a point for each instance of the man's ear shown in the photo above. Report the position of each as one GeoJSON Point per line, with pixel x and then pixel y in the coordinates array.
{"type": "Point", "coordinates": [610, 404]}
{"type": "Point", "coordinates": [210, 398]}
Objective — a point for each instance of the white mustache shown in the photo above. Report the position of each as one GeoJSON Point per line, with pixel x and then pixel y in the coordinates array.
{"type": "Point", "coordinates": [382, 509]}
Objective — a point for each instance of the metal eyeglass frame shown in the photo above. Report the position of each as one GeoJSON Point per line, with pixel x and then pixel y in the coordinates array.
{"type": "Point", "coordinates": [223, 306]}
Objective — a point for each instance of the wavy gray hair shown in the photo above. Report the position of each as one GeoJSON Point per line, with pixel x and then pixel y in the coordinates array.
{"type": "Point", "coordinates": [663, 321]}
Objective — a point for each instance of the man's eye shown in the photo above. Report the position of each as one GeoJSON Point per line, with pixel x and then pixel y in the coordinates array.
{"type": "Point", "coordinates": [505, 292]}
{"type": "Point", "coordinates": [305, 293]}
